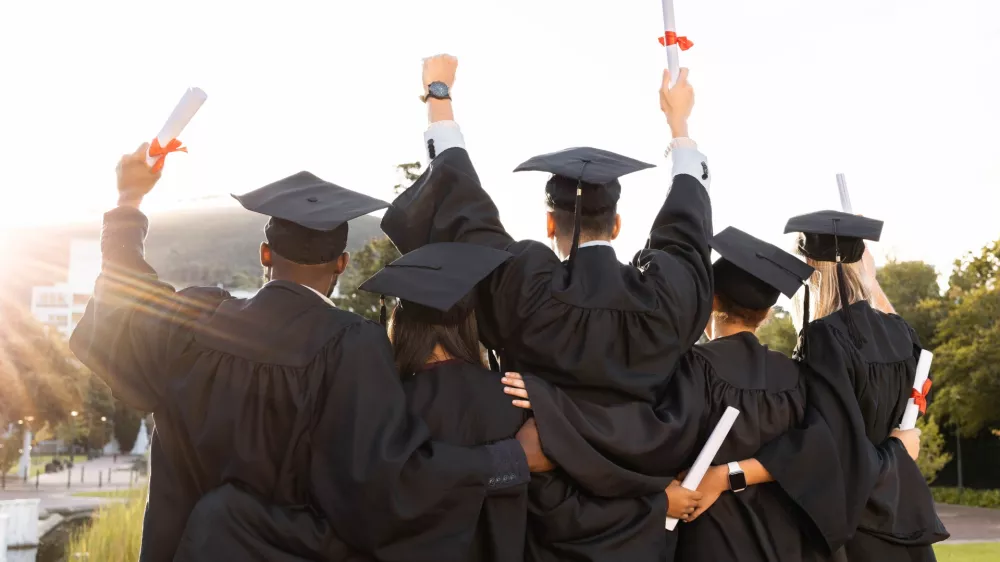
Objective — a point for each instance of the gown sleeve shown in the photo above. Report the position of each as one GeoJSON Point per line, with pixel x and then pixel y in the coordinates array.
{"type": "Point", "coordinates": [134, 320]}
{"type": "Point", "coordinates": [629, 449]}
{"type": "Point", "coordinates": [386, 488]}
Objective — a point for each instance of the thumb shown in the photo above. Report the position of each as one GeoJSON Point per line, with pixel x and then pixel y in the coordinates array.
{"type": "Point", "coordinates": [666, 78]}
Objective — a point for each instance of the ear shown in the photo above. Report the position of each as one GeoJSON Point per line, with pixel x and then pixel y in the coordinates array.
{"type": "Point", "coordinates": [342, 262]}
{"type": "Point", "coordinates": [265, 255]}
{"type": "Point", "coordinates": [550, 225]}
{"type": "Point", "coordinates": [617, 228]}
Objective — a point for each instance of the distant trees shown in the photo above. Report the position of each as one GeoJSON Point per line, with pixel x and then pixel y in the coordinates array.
{"type": "Point", "coordinates": [778, 332]}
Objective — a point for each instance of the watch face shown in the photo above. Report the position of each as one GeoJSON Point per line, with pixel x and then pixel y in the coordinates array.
{"type": "Point", "coordinates": [737, 481]}
{"type": "Point", "coordinates": [438, 90]}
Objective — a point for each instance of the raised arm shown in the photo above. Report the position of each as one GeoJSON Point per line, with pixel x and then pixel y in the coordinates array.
{"type": "Point", "coordinates": [447, 203]}
{"type": "Point", "coordinates": [677, 259]}
{"type": "Point", "coordinates": [134, 318]}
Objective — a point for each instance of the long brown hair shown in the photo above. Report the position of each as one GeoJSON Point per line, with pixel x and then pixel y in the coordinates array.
{"type": "Point", "coordinates": [415, 331]}
{"type": "Point", "coordinates": [825, 296]}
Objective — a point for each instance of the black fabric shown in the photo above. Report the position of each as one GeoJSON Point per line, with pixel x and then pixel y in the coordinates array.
{"type": "Point", "coordinates": [436, 276]}
{"type": "Point", "coordinates": [595, 199]}
{"type": "Point", "coordinates": [309, 216]}
{"type": "Point", "coordinates": [304, 245]}
{"type": "Point", "coordinates": [259, 392]}
{"type": "Point", "coordinates": [856, 397]}
{"type": "Point", "coordinates": [607, 338]}
{"type": "Point", "coordinates": [589, 165]}
{"type": "Point", "coordinates": [465, 405]}
{"type": "Point", "coordinates": [833, 234]}
{"type": "Point", "coordinates": [767, 269]}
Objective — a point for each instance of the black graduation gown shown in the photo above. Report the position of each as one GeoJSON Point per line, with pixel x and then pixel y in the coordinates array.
{"type": "Point", "coordinates": [607, 335]}
{"type": "Point", "coordinates": [874, 499]}
{"type": "Point", "coordinates": [761, 523]}
{"type": "Point", "coordinates": [465, 405]}
{"type": "Point", "coordinates": [297, 402]}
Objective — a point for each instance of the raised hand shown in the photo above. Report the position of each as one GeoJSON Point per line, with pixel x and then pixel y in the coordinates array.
{"type": "Point", "coordinates": [677, 102]}
{"type": "Point", "coordinates": [440, 68]}
{"type": "Point", "coordinates": [135, 177]}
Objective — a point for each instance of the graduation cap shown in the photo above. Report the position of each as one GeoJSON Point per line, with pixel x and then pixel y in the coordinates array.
{"type": "Point", "coordinates": [752, 273]}
{"type": "Point", "coordinates": [833, 236]}
{"type": "Point", "coordinates": [309, 216]}
{"type": "Point", "coordinates": [584, 181]}
{"type": "Point", "coordinates": [437, 280]}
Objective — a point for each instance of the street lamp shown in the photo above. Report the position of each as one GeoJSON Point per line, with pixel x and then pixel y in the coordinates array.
{"type": "Point", "coordinates": [74, 413]}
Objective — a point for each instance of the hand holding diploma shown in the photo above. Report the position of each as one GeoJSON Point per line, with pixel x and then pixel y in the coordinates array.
{"type": "Point", "coordinates": [166, 141]}
{"type": "Point", "coordinates": [701, 464]}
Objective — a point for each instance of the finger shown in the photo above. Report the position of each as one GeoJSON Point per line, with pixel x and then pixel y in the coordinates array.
{"type": "Point", "coordinates": [523, 404]}
{"type": "Point", "coordinates": [682, 77]}
{"type": "Point", "coordinates": [520, 393]}
{"type": "Point", "coordinates": [517, 383]}
{"type": "Point", "coordinates": [141, 150]}
{"type": "Point", "coordinates": [696, 514]}
{"type": "Point", "coordinates": [666, 79]}
{"type": "Point", "coordinates": [515, 376]}
{"type": "Point", "coordinates": [674, 483]}
{"type": "Point", "coordinates": [696, 496]}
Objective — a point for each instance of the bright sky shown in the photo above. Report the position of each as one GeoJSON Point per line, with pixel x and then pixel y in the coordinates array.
{"type": "Point", "coordinates": [899, 95]}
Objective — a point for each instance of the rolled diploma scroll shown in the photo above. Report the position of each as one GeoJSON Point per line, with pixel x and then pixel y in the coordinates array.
{"type": "Point", "coordinates": [673, 59]}
{"type": "Point", "coordinates": [845, 197]}
{"type": "Point", "coordinates": [186, 108]}
{"type": "Point", "coordinates": [923, 371]}
{"type": "Point", "coordinates": [707, 454]}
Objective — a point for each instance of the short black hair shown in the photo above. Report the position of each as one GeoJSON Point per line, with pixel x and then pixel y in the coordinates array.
{"type": "Point", "coordinates": [600, 225]}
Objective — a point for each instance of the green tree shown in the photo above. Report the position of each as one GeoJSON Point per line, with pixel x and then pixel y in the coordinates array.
{"type": "Point", "coordinates": [913, 290]}
{"type": "Point", "coordinates": [932, 455]}
{"type": "Point", "coordinates": [778, 332]}
{"type": "Point", "coordinates": [411, 172]}
{"type": "Point", "coordinates": [10, 451]}
{"type": "Point", "coordinates": [372, 258]}
{"type": "Point", "coordinates": [967, 357]}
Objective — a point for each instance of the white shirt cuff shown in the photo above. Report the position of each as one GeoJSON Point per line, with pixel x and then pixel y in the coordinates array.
{"type": "Point", "coordinates": [441, 136]}
{"type": "Point", "coordinates": [688, 160]}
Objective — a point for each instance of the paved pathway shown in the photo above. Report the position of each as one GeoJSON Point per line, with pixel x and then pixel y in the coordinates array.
{"type": "Point", "coordinates": [970, 524]}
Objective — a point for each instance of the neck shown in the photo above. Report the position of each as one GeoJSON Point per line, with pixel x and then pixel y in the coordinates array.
{"type": "Point", "coordinates": [322, 286]}
{"type": "Point", "coordinates": [439, 354]}
{"type": "Point", "coordinates": [725, 329]}
{"type": "Point", "coordinates": [565, 244]}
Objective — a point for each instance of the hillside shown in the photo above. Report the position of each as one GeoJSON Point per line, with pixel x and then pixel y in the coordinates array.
{"type": "Point", "coordinates": [190, 247]}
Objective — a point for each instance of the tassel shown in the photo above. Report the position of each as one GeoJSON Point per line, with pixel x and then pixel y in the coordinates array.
{"type": "Point", "coordinates": [800, 353]}
{"type": "Point", "coordinates": [381, 314]}
{"type": "Point", "coordinates": [577, 224]}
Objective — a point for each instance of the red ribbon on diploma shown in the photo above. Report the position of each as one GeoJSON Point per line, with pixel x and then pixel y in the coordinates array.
{"type": "Point", "coordinates": [920, 397]}
{"type": "Point", "coordinates": [156, 150]}
{"type": "Point", "coordinates": [671, 38]}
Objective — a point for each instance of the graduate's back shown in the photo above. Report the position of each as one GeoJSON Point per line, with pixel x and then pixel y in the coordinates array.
{"type": "Point", "coordinates": [769, 389]}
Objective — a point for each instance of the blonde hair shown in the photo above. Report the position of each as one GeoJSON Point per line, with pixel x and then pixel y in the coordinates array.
{"type": "Point", "coordinates": [824, 293]}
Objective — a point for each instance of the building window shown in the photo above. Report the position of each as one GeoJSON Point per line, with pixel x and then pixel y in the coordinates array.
{"type": "Point", "coordinates": [81, 298]}
{"type": "Point", "coordinates": [57, 320]}
{"type": "Point", "coordinates": [51, 299]}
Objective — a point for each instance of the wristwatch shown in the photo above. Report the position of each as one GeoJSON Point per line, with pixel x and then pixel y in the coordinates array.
{"type": "Point", "coordinates": [437, 90]}
{"type": "Point", "coordinates": [737, 480]}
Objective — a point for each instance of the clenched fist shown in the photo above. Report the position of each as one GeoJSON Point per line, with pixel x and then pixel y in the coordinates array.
{"type": "Point", "coordinates": [440, 68]}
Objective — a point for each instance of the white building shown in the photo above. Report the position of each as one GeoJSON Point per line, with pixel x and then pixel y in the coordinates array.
{"type": "Point", "coordinates": [61, 306]}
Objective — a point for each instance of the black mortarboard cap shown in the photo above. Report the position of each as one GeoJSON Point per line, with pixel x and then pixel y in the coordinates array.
{"type": "Point", "coordinates": [584, 180]}
{"type": "Point", "coordinates": [309, 216]}
{"type": "Point", "coordinates": [437, 276]}
{"type": "Point", "coordinates": [752, 273]}
{"type": "Point", "coordinates": [833, 236]}
{"type": "Point", "coordinates": [829, 233]}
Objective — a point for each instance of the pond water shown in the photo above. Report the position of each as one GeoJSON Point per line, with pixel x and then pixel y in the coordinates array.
{"type": "Point", "coordinates": [53, 546]}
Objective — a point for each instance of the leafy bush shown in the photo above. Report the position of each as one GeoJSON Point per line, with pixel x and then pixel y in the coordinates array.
{"type": "Point", "coordinates": [932, 456]}
{"type": "Point", "coordinates": [969, 497]}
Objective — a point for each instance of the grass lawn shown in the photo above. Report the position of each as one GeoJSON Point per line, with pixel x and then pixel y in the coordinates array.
{"type": "Point", "coordinates": [981, 552]}
{"type": "Point", "coordinates": [120, 493]}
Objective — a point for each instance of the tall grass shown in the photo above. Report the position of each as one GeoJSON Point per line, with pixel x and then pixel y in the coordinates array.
{"type": "Point", "coordinates": [115, 534]}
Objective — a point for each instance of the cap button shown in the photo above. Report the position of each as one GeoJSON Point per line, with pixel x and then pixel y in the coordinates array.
{"type": "Point", "coordinates": [312, 199]}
